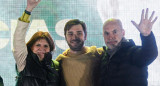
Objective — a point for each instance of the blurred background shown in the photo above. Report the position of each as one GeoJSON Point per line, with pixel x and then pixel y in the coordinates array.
{"type": "Point", "coordinates": [51, 16]}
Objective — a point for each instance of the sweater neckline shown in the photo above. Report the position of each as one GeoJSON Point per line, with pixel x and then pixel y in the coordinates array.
{"type": "Point", "coordinates": [84, 50]}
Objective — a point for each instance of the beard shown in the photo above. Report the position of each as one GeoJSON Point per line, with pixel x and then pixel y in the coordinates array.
{"type": "Point", "coordinates": [78, 44]}
{"type": "Point", "coordinates": [111, 46]}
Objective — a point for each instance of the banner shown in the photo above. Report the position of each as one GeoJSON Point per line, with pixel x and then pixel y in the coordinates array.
{"type": "Point", "coordinates": [51, 16]}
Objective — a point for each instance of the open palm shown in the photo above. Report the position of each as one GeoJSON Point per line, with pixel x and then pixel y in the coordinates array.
{"type": "Point", "coordinates": [145, 25]}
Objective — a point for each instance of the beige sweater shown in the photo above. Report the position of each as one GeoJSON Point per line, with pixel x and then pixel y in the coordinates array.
{"type": "Point", "coordinates": [80, 69]}
{"type": "Point", "coordinates": [19, 46]}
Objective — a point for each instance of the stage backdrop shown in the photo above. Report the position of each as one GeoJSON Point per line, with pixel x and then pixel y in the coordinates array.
{"type": "Point", "coordinates": [51, 15]}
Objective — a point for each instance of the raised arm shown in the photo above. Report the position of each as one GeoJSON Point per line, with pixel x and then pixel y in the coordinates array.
{"type": "Point", "coordinates": [19, 46]}
{"type": "Point", "coordinates": [147, 53]}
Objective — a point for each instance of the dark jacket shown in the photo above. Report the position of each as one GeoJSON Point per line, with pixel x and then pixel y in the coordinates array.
{"type": "Point", "coordinates": [62, 81]}
{"type": "Point", "coordinates": [38, 73]}
{"type": "Point", "coordinates": [1, 81]}
{"type": "Point", "coordinates": [128, 66]}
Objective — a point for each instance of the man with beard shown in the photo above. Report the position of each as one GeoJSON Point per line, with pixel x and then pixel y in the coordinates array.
{"type": "Point", "coordinates": [124, 63]}
{"type": "Point", "coordinates": [78, 63]}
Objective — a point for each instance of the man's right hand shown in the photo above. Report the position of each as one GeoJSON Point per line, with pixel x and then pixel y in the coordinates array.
{"type": "Point", "coordinates": [31, 4]}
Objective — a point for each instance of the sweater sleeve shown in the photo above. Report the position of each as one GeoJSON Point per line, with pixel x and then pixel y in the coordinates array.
{"type": "Point", "coordinates": [100, 51]}
{"type": "Point", "coordinates": [25, 17]}
{"type": "Point", "coordinates": [19, 46]}
{"type": "Point", "coordinates": [147, 53]}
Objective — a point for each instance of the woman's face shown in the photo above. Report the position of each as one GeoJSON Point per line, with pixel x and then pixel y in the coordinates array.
{"type": "Point", "coordinates": [40, 47]}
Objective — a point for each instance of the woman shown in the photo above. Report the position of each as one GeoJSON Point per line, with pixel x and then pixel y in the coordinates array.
{"type": "Point", "coordinates": [34, 59]}
{"type": "Point", "coordinates": [39, 69]}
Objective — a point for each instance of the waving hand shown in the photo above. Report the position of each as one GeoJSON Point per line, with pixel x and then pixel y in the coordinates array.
{"type": "Point", "coordinates": [31, 4]}
{"type": "Point", "coordinates": [145, 25]}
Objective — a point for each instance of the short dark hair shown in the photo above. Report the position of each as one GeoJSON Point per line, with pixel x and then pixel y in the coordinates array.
{"type": "Point", "coordinates": [72, 22]}
{"type": "Point", "coordinates": [41, 35]}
